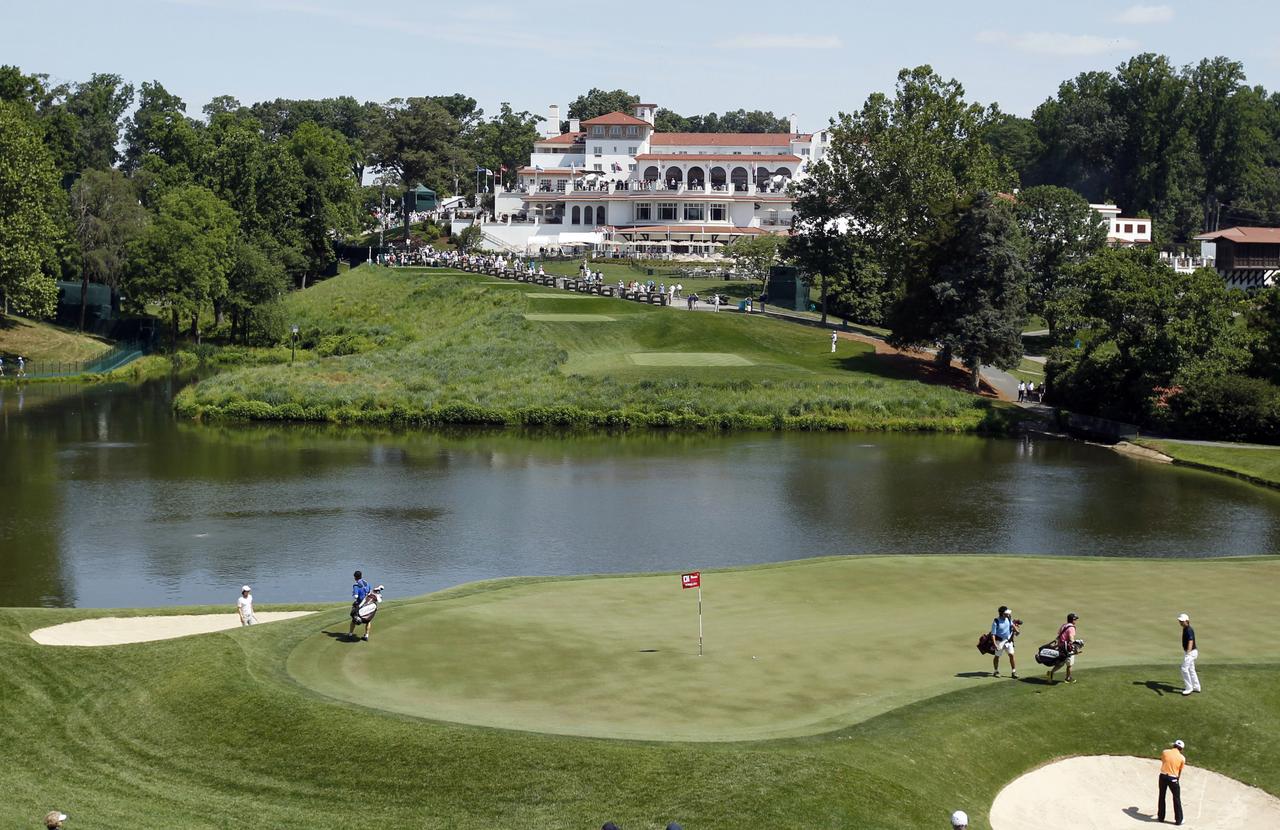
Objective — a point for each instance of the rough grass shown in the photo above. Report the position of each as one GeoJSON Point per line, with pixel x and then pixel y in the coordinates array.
{"type": "Point", "coordinates": [212, 732]}
{"type": "Point", "coordinates": [46, 343]}
{"type": "Point", "coordinates": [1256, 463]}
{"type": "Point", "coordinates": [431, 347]}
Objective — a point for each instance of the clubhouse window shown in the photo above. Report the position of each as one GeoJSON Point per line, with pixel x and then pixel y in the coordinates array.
{"type": "Point", "coordinates": [597, 130]}
{"type": "Point", "coordinates": [667, 211]}
{"type": "Point", "coordinates": [719, 213]}
{"type": "Point", "coordinates": [694, 212]}
{"type": "Point", "coordinates": [632, 129]}
{"type": "Point", "coordinates": [644, 212]}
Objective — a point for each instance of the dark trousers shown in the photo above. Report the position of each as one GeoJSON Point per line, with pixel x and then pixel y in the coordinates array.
{"type": "Point", "coordinates": [1168, 782]}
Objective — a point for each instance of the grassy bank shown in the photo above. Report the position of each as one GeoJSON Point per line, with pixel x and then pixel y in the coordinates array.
{"type": "Point", "coordinates": [1260, 465]}
{"type": "Point", "coordinates": [41, 342]}
{"type": "Point", "coordinates": [228, 729]}
{"type": "Point", "coordinates": [431, 347]}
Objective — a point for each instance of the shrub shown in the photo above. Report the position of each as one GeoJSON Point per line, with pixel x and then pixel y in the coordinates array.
{"type": "Point", "coordinates": [1226, 407]}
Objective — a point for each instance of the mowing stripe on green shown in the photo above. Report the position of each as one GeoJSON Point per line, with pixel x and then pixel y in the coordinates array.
{"type": "Point", "coordinates": [569, 318]}
{"type": "Point", "coordinates": [689, 359]}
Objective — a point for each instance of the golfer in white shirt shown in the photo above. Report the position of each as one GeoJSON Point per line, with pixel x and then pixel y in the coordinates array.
{"type": "Point", "coordinates": [244, 607]}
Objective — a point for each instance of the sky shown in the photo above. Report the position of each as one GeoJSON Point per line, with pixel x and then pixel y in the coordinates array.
{"type": "Point", "coordinates": [814, 59]}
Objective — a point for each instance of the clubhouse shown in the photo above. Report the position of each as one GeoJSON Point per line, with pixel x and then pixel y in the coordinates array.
{"type": "Point", "coordinates": [615, 183]}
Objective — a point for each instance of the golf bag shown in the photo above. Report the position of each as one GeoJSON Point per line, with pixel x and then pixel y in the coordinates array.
{"type": "Point", "coordinates": [986, 644]}
{"type": "Point", "coordinates": [1052, 655]}
{"type": "Point", "coordinates": [362, 614]}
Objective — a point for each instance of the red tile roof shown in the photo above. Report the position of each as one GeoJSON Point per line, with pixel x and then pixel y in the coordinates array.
{"type": "Point", "coordinates": [612, 118]}
{"type": "Point", "coordinates": [714, 157]}
{"type": "Point", "coordinates": [1245, 235]}
{"type": "Point", "coordinates": [564, 138]}
{"type": "Point", "coordinates": [722, 139]}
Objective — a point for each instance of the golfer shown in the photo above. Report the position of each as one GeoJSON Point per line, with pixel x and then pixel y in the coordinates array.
{"type": "Point", "coordinates": [959, 820]}
{"type": "Point", "coordinates": [1190, 680]}
{"type": "Point", "coordinates": [1171, 765]}
{"type": "Point", "coordinates": [1066, 636]}
{"type": "Point", "coordinates": [362, 612]}
{"type": "Point", "coordinates": [244, 607]}
{"type": "Point", "coordinates": [1003, 630]}
{"type": "Point", "coordinates": [359, 591]}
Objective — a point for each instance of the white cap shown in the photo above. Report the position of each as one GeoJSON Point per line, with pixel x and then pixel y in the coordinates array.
{"type": "Point", "coordinates": [245, 588]}
{"type": "Point", "coordinates": [1179, 744]}
{"type": "Point", "coordinates": [1008, 612]}
{"type": "Point", "coordinates": [1183, 618]}
{"type": "Point", "coordinates": [959, 819]}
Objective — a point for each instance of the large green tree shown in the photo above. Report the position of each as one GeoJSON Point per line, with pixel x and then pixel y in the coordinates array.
{"type": "Point", "coordinates": [896, 165]}
{"type": "Point", "coordinates": [970, 300]}
{"type": "Point", "coordinates": [182, 260]}
{"type": "Point", "coordinates": [330, 196]}
{"type": "Point", "coordinates": [98, 105]}
{"type": "Point", "coordinates": [426, 141]}
{"type": "Point", "coordinates": [1060, 230]}
{"type": "Point", "coordinates": [843, 268]}
{"type": "Point", "coordinates": [106, 216]}
{"type": "Point", "coordinates": [596, 102]}
{"type": "Point", "coordinates": [29, 226]}
{"type": "Point", "coordinates": [505, 141]}
{"type": "Point", "coordinates": [163, 147]}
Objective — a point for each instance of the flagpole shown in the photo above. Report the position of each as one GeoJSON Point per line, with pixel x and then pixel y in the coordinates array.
{"type": "Point", "coordinates": [699, 618]}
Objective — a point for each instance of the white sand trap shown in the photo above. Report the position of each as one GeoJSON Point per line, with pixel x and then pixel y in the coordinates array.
{"type": "Point", "coordinates": [116, 631]}
{"type": "Point", "coordinates": [569, 318]}
{"type": "Point", "coordinates": [1102, 792]}
{"type": "Point", "coordinates": [689, 359]}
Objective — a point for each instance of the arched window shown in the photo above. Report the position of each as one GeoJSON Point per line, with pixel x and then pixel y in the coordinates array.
{"type": "Point", "coordinates": [696, 177]}
{"type": "Point", "coordinates": [651, 173]}
{"type": "Point", "coordinates": [576, 215]}
{"type": "Point", "coordinates": [717, 177]}
{"type": "Point", "coordinates": [740, 178]}
{"type": "Point", "coordinates": [600, 215]}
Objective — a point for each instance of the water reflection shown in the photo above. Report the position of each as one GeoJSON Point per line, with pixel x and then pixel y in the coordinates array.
{"type": "Point", "coordinates": [106, 499]}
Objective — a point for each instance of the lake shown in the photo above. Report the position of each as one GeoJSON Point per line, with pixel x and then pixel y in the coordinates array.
{"type": "Point", "coordinates": [108, 500]}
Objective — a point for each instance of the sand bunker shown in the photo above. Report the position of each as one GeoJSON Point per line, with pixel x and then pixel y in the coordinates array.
{"type": "Point", "coordinates": [1102, 792]}
{"type": "Point", "coordinates": [115, 631]}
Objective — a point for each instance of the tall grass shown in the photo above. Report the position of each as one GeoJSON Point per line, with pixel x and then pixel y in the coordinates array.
{"type": "Point", "coordinates": [441, 349]}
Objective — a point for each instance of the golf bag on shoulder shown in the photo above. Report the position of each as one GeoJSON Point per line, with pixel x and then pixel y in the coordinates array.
{"type": "Point", "coordinates": [363, 613]}
{"type": "Point", "coordinates": [1052, 655]}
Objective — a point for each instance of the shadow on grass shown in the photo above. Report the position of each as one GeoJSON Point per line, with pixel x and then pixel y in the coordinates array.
{"type": "Point", "coordinates": [910, 367]}
{"type": "Point", "coordinates": [1036, 680]}
{"type": "Point", "coordinates": [973, 674]}
{"type": "Point", "coordinates": [1158, 686]}
{"type": "Point", "coordinates": [1137, 815]}
{"type": "Point", "coordinates": [342, 636]}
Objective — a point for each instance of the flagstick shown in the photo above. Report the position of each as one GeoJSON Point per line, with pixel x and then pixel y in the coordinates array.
{"type": "Point", "coordinates": [699, 620]}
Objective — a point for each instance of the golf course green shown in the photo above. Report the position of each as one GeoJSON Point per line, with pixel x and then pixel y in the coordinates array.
{"type": "Point", "coordinates": [430, 347]}
{"type": "Point", "coordinates": [498, 704]}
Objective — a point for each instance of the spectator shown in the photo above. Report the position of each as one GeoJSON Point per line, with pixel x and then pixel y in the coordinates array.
{"type": "Point", "coordinates": [244, 607]}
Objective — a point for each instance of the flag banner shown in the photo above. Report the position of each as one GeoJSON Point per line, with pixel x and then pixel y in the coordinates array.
{"type": "Point", "coordinates": [691, 580]}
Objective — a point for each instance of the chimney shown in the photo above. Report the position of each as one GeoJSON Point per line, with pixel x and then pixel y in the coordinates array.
{"type": "Point", "coordinates": [553, 120]}
{"type": "Point", "coordinates": [791, 123]}
{"type": "Point", "coordinates": [575, 125]}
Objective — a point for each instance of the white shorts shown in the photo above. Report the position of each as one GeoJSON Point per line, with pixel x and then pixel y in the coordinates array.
{"type": "Point", "coordinates": [249, 619]}
{"type": "Point", "coordinates": [1003, 646]}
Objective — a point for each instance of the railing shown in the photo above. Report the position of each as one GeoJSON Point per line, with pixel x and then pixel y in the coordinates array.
{"type": "Point", "coordinates": [1256, 262]}
{"type": "Point", "coordinates": [118, 356]}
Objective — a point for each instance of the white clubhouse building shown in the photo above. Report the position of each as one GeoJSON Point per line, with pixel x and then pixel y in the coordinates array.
{"type": "Point", "coordinates": [613, 182]}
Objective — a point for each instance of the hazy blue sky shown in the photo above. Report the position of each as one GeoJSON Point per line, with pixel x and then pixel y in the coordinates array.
{"type": "Point", "coordinates": [814, 58]}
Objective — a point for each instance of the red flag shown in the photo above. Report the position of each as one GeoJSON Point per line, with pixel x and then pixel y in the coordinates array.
{"type": "Point", "coordinates": [691, 580]}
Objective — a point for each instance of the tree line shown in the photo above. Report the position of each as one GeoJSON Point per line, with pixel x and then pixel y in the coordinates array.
{"type": "Point", "coordinates": [916, 220]}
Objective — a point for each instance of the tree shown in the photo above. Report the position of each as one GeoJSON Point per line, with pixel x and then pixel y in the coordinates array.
{"type": "Point", "coordinates": [255, 281]}
{"type": "Point", "coordinates": [107, 217]}
{"type": "Point", "coordinates": [29, 194]}
{"type": "Point", "coordinates": [330, 197]}
{"type": "Point", "coordinates": [505, 141]}
{"type": "Point", "coordinates": [1014, 142]}
{"type": "Point", "coordinates": [753, 255]}
{"type": "Point", "coordinates": [970, 301]}
{"type": "Point", "coordinates": [1060, 229]}
{"type": "Point", "coordinates": [1263, 318]}
{"type": "Point", "coordinates": [355, 121]}
{"type": "Point", "coordinates": [182, 260]}
{"type": "Point", "coordinates": [597, 102]}
{"type": "Point", "coordinates": [468, 238]}
{"type": "Point", "coordinates": [843, 267]}
{"type": "Point", "coordinates": [164, 147]}
{"type": "Point", "coordinates": [892, 167]}
{"type": "Point", "coordinates": [98, 105]}
{"type": "Point", "coordinates": [422, 141]}
{"type": "Point", "coordinates": [1079, 133]}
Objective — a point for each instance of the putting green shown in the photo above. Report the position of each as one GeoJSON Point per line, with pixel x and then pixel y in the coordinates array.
{"type": "Point", "coordinates": [570, 318]}
{"type": "Point", "coordinates": [688, 359]}
{"type": "Point", "coordinates": [790, 650]}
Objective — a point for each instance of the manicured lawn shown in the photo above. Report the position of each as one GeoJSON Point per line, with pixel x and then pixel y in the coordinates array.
{"type": "Point", "coordinates": [1262, 463]}
{"type": "Point", "coordinates": [423, 346]}
{"type": "Point", "coordinates": [218, 731]}
{"type": "Point", "coordinates": [44, 342]}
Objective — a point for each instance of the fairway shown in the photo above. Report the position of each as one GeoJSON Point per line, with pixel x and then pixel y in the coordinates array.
{"type": "Point", "coordinates": [570, 318]}
{"type": "Point", "coordinates": [790, 650]}
{"type": "Point", "coordinates": [688, 359]}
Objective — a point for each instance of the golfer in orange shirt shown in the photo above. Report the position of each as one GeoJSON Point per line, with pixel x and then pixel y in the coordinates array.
{"type": "Point", "coordinates": [1171, 765]}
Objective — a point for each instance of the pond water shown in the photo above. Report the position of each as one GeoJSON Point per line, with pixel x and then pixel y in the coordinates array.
{"type": "Point", "coordinates": [108, 500]}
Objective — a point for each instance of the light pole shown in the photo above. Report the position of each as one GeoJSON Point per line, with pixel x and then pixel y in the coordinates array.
{"type": "Point", "coordinates": [294, 340]}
